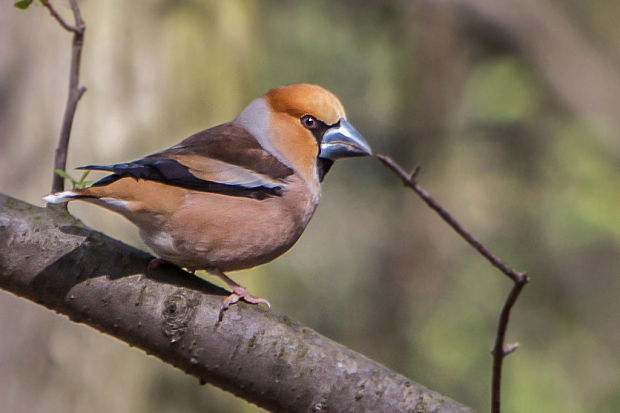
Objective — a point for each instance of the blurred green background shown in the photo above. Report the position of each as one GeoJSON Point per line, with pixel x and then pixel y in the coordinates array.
{"type": "Point", "coordinates": [511, 107]}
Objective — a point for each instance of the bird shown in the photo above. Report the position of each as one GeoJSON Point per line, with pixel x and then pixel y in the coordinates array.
{"type": "Point", "coordinates": [236, 195]}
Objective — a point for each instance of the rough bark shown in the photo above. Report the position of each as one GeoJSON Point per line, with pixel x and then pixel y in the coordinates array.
{"type": "Point", "coordinates": [49, 257]}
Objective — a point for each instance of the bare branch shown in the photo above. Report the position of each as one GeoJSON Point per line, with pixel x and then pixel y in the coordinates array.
{"type": "Point", "coordinates": [499, 350]}
{"type": "Point", "coordinates": [409, 180]}
{"type": "Point", "coordinates": [58, 17]}
{"type": "Point", "coordinates": [49, 257]}
{"type": "Point", "coordinates": [75, 91]}
{"type": "Point", "coordinates": [519, 278]}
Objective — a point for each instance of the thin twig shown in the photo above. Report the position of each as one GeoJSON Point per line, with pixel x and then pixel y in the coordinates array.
{"type": "Point", "coordinates": [499, 351]}
{"type": "Point", "coordinates": [59, 18]}
{"type": "Point", "coordinates": [409, 180]}
{"type": "Point", "coordinates": [75, 91]}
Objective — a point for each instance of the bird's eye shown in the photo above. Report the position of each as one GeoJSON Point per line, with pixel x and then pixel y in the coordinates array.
{"type": "Point", "coordinates": [309, 121]}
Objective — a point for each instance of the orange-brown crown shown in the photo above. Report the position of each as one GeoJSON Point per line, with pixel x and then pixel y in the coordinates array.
{"type": "Point", "coordinates": [306, 99]}
{"type": "Point", "coordinates": [290, 140]}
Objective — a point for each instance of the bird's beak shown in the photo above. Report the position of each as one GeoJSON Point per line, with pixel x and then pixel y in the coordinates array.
{"type": "Point", "coordinates": [343, 141]}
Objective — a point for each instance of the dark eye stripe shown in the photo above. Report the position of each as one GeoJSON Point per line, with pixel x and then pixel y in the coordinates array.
{"type": "Point", "coordinates": [319, 128]}
{"type": "Point", "coordinates": [319, 131]}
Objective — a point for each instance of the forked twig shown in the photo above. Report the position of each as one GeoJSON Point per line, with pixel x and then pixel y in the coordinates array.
{"type": "Point", "coordinates": [500, 350]}
{"type": "Point", "coordinates": [75, 91]}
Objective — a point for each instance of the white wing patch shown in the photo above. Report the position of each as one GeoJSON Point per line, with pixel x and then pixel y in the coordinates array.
{"type": "Point", "coordinates": [60, 197]}
{"type": "Point", "coordinates": [114, 203]}
{"type": "Point", "coordinates": [225, 173]}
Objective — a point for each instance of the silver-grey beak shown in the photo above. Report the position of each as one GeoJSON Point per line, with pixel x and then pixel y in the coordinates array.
{"type": "Point", "coordinates": [343, 141]}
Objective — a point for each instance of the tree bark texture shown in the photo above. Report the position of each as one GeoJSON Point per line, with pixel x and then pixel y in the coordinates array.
{"type": "Point", "coordinates": [51, 258]}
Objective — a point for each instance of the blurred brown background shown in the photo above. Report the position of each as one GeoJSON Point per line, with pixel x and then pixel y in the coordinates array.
{"type": "Point", "coordinates": [511, 107]}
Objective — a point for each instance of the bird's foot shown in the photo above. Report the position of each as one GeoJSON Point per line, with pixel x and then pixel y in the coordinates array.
{"type": "Point", "coordinates": [155, 263]}
{"type": "Point", "coordinates": [240, 293]}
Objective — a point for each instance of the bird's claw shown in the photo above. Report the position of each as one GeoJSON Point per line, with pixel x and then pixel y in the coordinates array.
{"type": "Point", "coordinates": [155, 263]}
{"type": "Point", "coordinates": [238, 294]}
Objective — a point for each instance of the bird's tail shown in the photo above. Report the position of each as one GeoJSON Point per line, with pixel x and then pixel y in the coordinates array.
{"type": "Point", "coordinates": [64, 197]}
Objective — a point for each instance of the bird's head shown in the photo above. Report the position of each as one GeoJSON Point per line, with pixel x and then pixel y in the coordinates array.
{"type": "Point", "coordinates": [304, 124]}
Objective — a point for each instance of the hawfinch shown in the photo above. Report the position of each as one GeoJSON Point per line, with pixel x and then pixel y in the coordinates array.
{"type": "Point", "coordinates": [236, 195]}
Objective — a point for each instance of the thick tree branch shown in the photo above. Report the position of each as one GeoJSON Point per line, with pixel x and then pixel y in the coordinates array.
{"type": "Point", "coordinates": [51, 258]}
{"type": "Point", "coordinates": [75, 91]}
{"type": "Point", "coordinates": [499, 350]}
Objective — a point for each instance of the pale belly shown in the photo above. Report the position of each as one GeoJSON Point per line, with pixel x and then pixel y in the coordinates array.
{"type": "Point", "coordinates": [229, 233]}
